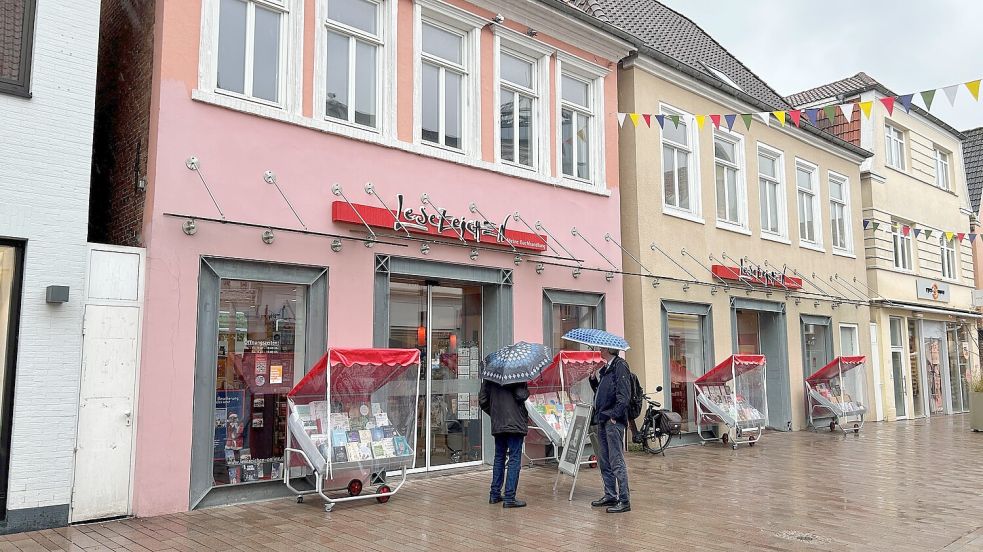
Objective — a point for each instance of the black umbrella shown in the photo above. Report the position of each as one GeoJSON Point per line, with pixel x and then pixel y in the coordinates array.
{"type": "Point", "coordinates": [516, 363]}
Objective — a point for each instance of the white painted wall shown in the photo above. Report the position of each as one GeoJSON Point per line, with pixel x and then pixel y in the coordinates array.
{"type": "Point", "coordinates": [45, 155]}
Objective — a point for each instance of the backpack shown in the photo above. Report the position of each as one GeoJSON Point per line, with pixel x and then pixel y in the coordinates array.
{"type": "Point", "coordinates": [635, 403]}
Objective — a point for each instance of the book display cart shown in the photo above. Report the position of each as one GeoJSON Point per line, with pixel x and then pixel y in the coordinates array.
{"type": "Point", "coordinates": [836, 393]}
{"type": "Point", "coordinates": [352, 419]}
{"type": "Point", "coordinates": [553, 396]}
{"type": "Point", "coordinates": [733, 395]}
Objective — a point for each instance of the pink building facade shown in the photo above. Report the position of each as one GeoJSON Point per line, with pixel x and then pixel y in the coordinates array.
{"type": "Point", "coordinates": [268, 119]}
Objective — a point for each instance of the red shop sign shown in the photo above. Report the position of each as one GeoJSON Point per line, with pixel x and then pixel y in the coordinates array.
{"type": "Point", "coordinates": [753, 275]}
{"type": "Point", "coordinates": [424, 220]}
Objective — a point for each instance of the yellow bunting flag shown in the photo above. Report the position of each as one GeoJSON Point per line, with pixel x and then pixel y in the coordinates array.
{"type": "Point", "coordinates": [700, 121]}
{"type": "Point", "coordinates": [974, 88]}
{"type": "Point", "coordinates": [780, 115]}
{"type": "Point", "coordinates": [949, 235]}
{"type": "Point", "coordinates": [866, 107]}
{"type": "Point", "coordinates": [634, 119]}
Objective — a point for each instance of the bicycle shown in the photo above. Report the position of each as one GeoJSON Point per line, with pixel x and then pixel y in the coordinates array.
{"type": "Point", "coordinates": [659, 426]}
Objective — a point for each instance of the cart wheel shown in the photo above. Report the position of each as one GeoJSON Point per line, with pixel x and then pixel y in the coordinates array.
{"type": "Point", "coordinates": [751, 443]}
{"type": "Point", "coordinates": [354, 487]}
{"type": "Point", "coordinates": [725, 438]}
{"type": "Point", "coordinates": [300, 499]}
{"type": "Point", "coordinates": [734, 446]}
{"type": "Point", "coordinates": [593, 461]}
{"type": "Point", "coordinates": [383, 489]}
{"type": "Point", "coordinates": [328, 506]}
{"type": "Point", "coordinates": [856, 428]}
{"type": "Point", "coordinates": [832, 425]}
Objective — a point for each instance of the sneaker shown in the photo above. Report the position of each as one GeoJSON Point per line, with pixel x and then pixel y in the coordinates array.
{"type": "Point", "coordinates": [604, 502]}
{"type": "Point", "coordinates": [514, 504]}
{"type": "Point", "coordinates": [619, 508]}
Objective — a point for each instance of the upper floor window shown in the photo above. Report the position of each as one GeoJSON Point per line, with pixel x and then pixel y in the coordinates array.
{"type": "Point", "coordinates": [807, 184]}
{"type": "Point", "coordinates": [942, 169]}
{"type": "Point", "coordinates": [839, 212]}
{"type": "Point", "coordinates": [894, 142]}
{"type": "Point", "coordinates": [730, 184]}
{"type": "Point", "coordinates": [902, 247]}
{"type": "Point", "coordinates": [948, 252]}
{"type": "Point", "coordinates": [16, 46]}
{"type": "Point", "coordinates": [251, 48]}
{"type": "Point", "coordinates": [443, 72]}
{"type": "Point", "coordinates": [576, 124]}
{"type": "Point", "coordinates": [518, 108]}
{"type": "Point", "coordinates": [353, 47]}
{"type": "Point", "coordinates": [679, 186]}
{"type": "Point", "coordinates": [771, 188]}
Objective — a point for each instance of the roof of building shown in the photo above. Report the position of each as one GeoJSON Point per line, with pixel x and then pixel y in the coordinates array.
{"type": "Point", "coordinates": [973, 160]}
{"type": "Point", "coordinates": [852, 86]}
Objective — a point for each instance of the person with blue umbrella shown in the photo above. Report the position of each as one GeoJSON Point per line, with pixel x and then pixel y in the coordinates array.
{"type": "Point", "coordinates": [503, 396]}
{"type": "Point", "coordinates": [612, 393]}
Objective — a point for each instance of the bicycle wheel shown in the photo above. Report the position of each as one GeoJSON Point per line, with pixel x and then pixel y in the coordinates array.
{"type": "Point", "coordinates": [655, 443]}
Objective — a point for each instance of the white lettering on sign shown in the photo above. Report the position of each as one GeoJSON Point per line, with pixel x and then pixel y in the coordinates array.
{"type": "Point", "coordinates": [424, 220]}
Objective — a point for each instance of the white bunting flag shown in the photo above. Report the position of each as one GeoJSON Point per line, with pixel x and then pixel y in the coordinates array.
{"type": "Point", "coordinates": [950, 92]}
{"type": "Point", "coordinates": [765, 117]}
{"type": "Point", "coordinates": [621, 119]}
{"type": "Point", "coordinates": [847, 110]}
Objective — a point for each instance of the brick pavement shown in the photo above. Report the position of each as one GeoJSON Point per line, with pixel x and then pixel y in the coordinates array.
{"type": "Point", "coordinates": [896, 486]}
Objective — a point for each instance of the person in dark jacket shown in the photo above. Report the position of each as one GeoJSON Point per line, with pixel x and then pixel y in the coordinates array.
{"type": "Point", "coordinates": [612, 393]}
{"type": "Point", "coordinates": [505, 404]}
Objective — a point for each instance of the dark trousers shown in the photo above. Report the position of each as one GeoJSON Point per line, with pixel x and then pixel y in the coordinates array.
{"type": "Point", "coordinates": [611, 457]}
{"type": "Point", "coordinates": [508, 456]}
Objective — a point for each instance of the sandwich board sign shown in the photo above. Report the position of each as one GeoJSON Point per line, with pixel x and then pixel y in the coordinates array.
{"type": "Point", "coordinates": [573, 446]}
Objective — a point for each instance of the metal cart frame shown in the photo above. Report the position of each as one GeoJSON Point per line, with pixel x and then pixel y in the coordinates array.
{"type": "Point", "coordinates": [711, 412]}
{"type": "Point", "coordinates": [847, 418]}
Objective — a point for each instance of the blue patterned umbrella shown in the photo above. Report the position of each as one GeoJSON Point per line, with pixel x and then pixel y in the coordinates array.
{"type": "Point", "coordinates": [596, 338]}
{"type": "Point", "coordinates": [516, 363]}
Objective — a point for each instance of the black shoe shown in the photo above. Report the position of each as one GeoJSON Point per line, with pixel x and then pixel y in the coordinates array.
{"type": "Point", "coordinates": [637, 439]}
{"type": "Point", "coordinates": [494, 500]}
{"type": "Point", "coordinates": [514, 504]}
{"type": "Point", "coordinates": [619, 508]}
{"type": "Point", "coordinates": [604, 502]}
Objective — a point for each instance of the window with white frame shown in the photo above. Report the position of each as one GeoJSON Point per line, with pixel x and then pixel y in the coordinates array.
{"type": "Point", "coordinates": [443, 74]}
{"type": "Point", "coordinates": [250, 48]}
{"type": "Point", "coordinates": [727, 157]}
{"type": "Point", "coordinates": [839, 212]}
{"type": "Point", "coordinates": [942, 169]}
{"type": "Point", "coordinates": [353, 47]}
{"type": "Point", "coordinates": [518, 99]}
{"type": "Point", "coordinates": [807, 184]}
{"type": "Point", "coordinates": [679, 185]}
{"type": "Point", "coordinates": [576, 122]}
{"type": "Point", "coordinates": [894, 142]}
{"type": "Point", "coordinates": [902, 247]}
{"type": "Point", "coordinates": [948, 252]}
{"type": "Point", "coordinates": [771, 188]}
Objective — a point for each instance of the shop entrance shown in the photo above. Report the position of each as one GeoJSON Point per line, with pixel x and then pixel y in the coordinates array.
{"type": "Point", "coordinates": [444, 321]}
{"type": "Point", "coordinates": [11, 270]}
{"type": "Point", "coordinates": [762, 332]}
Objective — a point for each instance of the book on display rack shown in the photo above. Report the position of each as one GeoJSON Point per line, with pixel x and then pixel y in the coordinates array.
{"type": "Point", "coordinates": [361, 433]}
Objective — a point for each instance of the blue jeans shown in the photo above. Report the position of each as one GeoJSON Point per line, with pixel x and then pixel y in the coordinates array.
{"type": "Point", "coordinates": [508, 454]}
{"type": "Point", "coordinates": [611, 457]}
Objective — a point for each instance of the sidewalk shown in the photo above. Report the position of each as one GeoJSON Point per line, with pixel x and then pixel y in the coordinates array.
{"type": "Point", "coordinates": [896, 486]}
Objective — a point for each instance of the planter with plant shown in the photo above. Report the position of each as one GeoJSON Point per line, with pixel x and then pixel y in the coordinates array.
{"type": "Point", "coordinates": [976, 403]}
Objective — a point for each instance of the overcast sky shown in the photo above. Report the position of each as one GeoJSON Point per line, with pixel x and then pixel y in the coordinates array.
{"type": "Point", "coordinates": [907, 45]}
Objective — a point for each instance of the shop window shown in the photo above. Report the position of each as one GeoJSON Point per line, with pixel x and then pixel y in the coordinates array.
{"type": "Point", "coordinates": [687, 361]}
{"type": "Point", "coordinates": [250, 48]}
{"type": "Point", "coordinates": [260, 356]}
{"type": "Point", "coordinates": [771, 187]}
{"type": "Point", "coordinates": [16, 46]}
{"type": "Point", "coordinates": [914, 365]}
{"type": "Point", "coordinates": [960, 375]}
{"type": "Point", "coordinates": [898, 367]}
{"type": "Point", "coordinates": [728, 159]}
{"type": "Point", "coordinates": [353, 43]}
{"type": "Point", "coordinates": [568, 317]}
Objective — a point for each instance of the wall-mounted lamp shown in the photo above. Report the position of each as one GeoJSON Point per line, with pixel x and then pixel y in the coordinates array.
{"type": "Point", "coordinates": [421, 335]}
{"type": "Point", "coordinates": [56, 294]}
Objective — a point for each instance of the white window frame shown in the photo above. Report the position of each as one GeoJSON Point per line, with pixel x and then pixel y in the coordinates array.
{"type": "Point", "coordinates": [847, 220]}
{"type": "Point", "coordinates": [289, 81]}
{"type": "Point", "coordinates": [902, 247]}
{"type": "Point", "coordinates": [593, 75]}
{"type": "Point", "coordinates": [949, 257]}
{"type": "Point", "coordinates": [943, 174]}
{"type": "Point", "coordinates": [695, 212]}
{"type": "Point", "coordinates": [385, 77]}
{"type": "Point", "coordinates": [816, 208]}
{"type": "Point", "coordinates": [737, 140]}
{"type": "Point", "coordinates": [520, 46]}
{"type": "Point", "coordinates": [782, 207]}
{"type": "Point", "coordinates": [468, 25]}
{"type": "Point", "coordinates": [895, 154]}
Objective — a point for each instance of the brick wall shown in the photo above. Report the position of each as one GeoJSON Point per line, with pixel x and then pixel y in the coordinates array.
{"type": "Point", "coordinates": [45, 156]}
{"type": "Point", "coordinates": [122, 124]}
{"type": "Point", "coordinates": [847, 131]}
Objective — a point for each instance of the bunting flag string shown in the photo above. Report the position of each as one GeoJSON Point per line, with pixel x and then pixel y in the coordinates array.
{"type": "Point", "coordinates": [908, 230]}
{"type": "Point", "coordinates": [815, 114]}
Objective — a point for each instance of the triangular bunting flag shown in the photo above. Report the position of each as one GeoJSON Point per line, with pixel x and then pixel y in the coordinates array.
{"type": "Point", "coordinates": [889, 104]}
{"type": "Point", "coordinates": [730, 121]}
{"type": "Point", "coordinates": [700, 121]}
{"type": "Point", "coordinates": [875, 226]}
{"type": "Point", "coordinates": [716, 120]}
{"type": "Point", "coordinates": [928, 234]}
{"type": "Point", "coordinates": [951, 92]}
{"type": "Point", "coordinates": [765, 117]}
{"type": "Point", "coordinates": [928, 97]}
{"type": "Point", "coordinates": [866, 223]}
{"type": "Point", "coordinates": [974, 89]}
{"type": "Point", "coordinates": [905, 230]}
{"type": "Point", "coordinates": [906, 102]}
{"type": "Point", "coordinates": [918, 231]}
{"type": "Point", "coordinates": [961, 236]}
{"type": "Point", "coordinates": [661, 119]}
{"type": "Point", "coordinates": [866, 107]}
{"type": "Point", "coordinates": [796, 115]}
{"type": "Point", "coordinates": [812, 114]}
{"type": "Point", "coordinates": [648, 119]}
{"type": "Point", "coordinates": [847, 111]}
{"type": "Point", "coordinates": [621, 119]}
{"type": "Point", "coordinates": [634, 119]}
{"type": "Point", "coordinates": [830, 111]}
{"type": "Point", "coordinates": [747, 120]}
{"type": "Point", "coordinates": [675, 120]}
{"type": "Point", "coordinates": [972, 238]}
{"type": "Point", "coordinates": [780, 115]}
{"type": "Point", "coordinates": [948, 236]}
